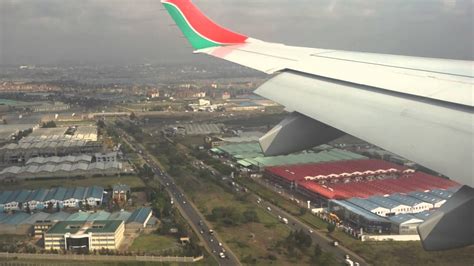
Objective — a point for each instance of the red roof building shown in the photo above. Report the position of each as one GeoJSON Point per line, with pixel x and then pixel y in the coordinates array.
{"type": "Point", "coordinates": [357, 178]}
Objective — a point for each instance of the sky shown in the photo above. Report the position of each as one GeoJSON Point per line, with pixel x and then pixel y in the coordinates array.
{"type": "Point", "coordinates": [109, 32]}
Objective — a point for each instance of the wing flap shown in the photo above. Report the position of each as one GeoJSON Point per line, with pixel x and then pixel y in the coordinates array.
{"type": "Point", "coordinates": [437, 136]}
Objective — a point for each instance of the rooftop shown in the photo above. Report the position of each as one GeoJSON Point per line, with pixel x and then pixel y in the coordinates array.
{"type": "Point", "coordinates": [338, 169]}
{"type": "Point", "coordinates": [72, 227]}
{"type": "Point", "coordinates": [359, 211]}
{"type": "Point", "coordinates": [139, 215]}
{"type": "Point", "coordinates": [404, 218]}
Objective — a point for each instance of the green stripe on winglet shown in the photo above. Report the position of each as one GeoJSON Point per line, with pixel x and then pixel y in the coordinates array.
{"type": "Point", "coordinates": [196, 41]}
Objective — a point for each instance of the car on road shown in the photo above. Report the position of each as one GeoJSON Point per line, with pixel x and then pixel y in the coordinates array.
{"type": "Point", "coordinates": [310, 231]}
{"type": "Point", "coordinates": [220, 244]}
{"type": "Point", "coordinates": [269, 209]}
{"type": "Point", "coordinates": [335, 243]}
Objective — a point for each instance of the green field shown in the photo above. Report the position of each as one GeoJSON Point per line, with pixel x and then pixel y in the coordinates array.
{"type": "Point", "coordinates": [153, 243]}
{"type": "Point", "coordinates": [105, 182]}
{"type": "Point", "coordinates": [257, 240]}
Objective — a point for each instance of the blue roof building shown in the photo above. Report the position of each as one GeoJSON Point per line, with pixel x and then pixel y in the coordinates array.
{"type": "Point", "coordinates": [440, 193]}
{"type": "Point", "coordinates": [359, 217]}
{"type": "Point", "coordinates": [428, 197]}
{"type": "Point", "coordinates": [139, 218]}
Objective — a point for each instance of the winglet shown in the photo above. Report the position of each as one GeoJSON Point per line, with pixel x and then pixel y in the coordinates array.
{"type": "Point", "coordinates": [200, 31]}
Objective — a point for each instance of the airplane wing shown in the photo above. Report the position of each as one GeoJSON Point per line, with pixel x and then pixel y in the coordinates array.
{"type": "Point", "coordinates": [419, 108]}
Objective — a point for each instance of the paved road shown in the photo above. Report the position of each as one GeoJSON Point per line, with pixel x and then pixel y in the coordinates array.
{"type": "Point", "coordinates": [187, 209]}
{"type": "Point", "coordinates": [294, 223]}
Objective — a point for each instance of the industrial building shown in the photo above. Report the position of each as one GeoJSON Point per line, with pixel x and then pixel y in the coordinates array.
{"type": "Point", "coordinates": [85, 235]}
{"type": "Point", "coordinates": [22, 223]}
{"type": "Point", "coordinates": [369, 195]}
{"type": "Point", "coordinates": [250, 155]}
{"type": "Point", "coordinates": [47, 142]}
{"type": "Point", "coordinates": [354, 178]}
{"type": "Point", "coordinates": [14, 153]}
{"type": "Point", "coordinates": [52, 170]}
{"type": "Point", "coordinates": [50, 198]}
{"type": "Point", "coordinates": [120, 192]}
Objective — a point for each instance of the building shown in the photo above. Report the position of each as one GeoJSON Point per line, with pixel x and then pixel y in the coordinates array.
{"type": "Point", "coordinates": [22, 223]}
{"type": "Point", "coordinates": [80, 235]}
{"type": "Point", "coordinates": [21, 152]}
{"type": "Point", "coordinates": [250, 155]}
{"type": "Point", "coordinates": [51, 107]}
{"type": "Point", "coordinates": [395, 207]}
{"type": "Point", "coordinates": [405, 224]}
{"type": "Point", "coordinates": [428, 197]}
{"type": "Point", "coordinates": [52, 170]}
{"type": "Point", "coordinates": [354, 178]}
{"type": "Point", "coordinates": [106, 157]}
{"type": "Point", "coordinates": [370, 206]}
{"type": "Point", "coordinates": [139, 219]}
{"type": "Point", "coordinates": [120, 192]}
{"type": "Point", "coordinates": [358, 217]}
{"type": "Point", "coordinates": [415, 204]}
{"type": "Point", "coordinates": [38, 161]}
{"type": "Point", "coordinates": [40, 199]}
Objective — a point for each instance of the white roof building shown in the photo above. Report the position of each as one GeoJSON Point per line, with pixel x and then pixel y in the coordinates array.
{"type": "Point", "coordinates": [415, 204]}
{"type": "Point", "coordinates": [370, 206]}
{"type": "Point", "coordinates": [395, 207]}
{"type": "Point", "coordinates": [428, 197]}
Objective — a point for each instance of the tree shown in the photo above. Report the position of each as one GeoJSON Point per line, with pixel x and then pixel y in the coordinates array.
{"type": "Point", "coordinates": [331, 227]}
{"type": "Point", "coordinates": [303, 211]}
{"type": "Point", "coordinates": [317, 251]}
{"type": "Point", "coordinates": [250, 216]}
{"type": "Point", "coordinates": [49, 124]}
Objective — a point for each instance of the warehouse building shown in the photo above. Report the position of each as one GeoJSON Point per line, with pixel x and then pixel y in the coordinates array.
{"type": "Point", "coordinates": [441, 193]}
{"type": "Point", "coordinates": [38, 161]}
{"type": "Point", "coordinates": [52, 170]}
{"type": "Point", "coordinates": [354, 178]}
{"type": "Point", "coordinates": [49, 198]}
{"type": "Point", "coordinates": [428, 197]}
{"type": "Point", "coordinates": [358, 217]}
{"type": "Point", "coordinates": [21, 223]}
{"type": "Point", "coordinates": [88, 235]}
{"type": "Point", "coordinates": [369, 206]}
{"type": "Point", "coordinates": [395, 207]}
{"type": "Point", "coordinates": [405, 224]}
{"type": "Point", "coordinates": [139, 219]}
{"type": "Point", "coordinates": [415, 204]}
{"type": "Point", "coordinates": [21, 152]}
{"type": "Point", "coordinates": [250, 155]}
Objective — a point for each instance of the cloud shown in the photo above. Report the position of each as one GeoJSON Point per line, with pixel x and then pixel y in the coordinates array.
{"type": "Point", "coordinates": [137, 31]}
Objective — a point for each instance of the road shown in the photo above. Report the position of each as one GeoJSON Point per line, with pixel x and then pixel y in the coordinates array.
{"type": "Point", "coordinates": [294, 223]}
{"type": "Point", "coordinates": [193, 216]}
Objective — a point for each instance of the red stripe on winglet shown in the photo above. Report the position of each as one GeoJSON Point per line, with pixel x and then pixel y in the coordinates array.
{"type": "Point", "coordinates": [205, 26]}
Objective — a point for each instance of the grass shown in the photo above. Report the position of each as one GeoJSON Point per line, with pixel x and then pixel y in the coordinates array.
{"type": "Point", "coordinates": [132, 181]}
{"type": "Point", "coordinates": [283, 203]}
{"type": "Point", "coordinates": [153, 243]}
{"type": "Point", "coordinates": [404, 253]}
{"type": "Point", "coordinates": [251, 239]}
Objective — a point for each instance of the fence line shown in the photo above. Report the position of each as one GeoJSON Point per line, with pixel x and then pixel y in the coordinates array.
{"type": "Point", "coordinates": [77, 257]}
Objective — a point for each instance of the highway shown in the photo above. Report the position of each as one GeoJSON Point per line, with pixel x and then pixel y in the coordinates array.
{"type": "Point", "coordinates": [193, 216]}
{"type": "Point", "coordinates": [326, 244]}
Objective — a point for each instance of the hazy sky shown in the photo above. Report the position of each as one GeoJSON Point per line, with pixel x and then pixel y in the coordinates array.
{"type": "Point", "coordinates": [140, 31]}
